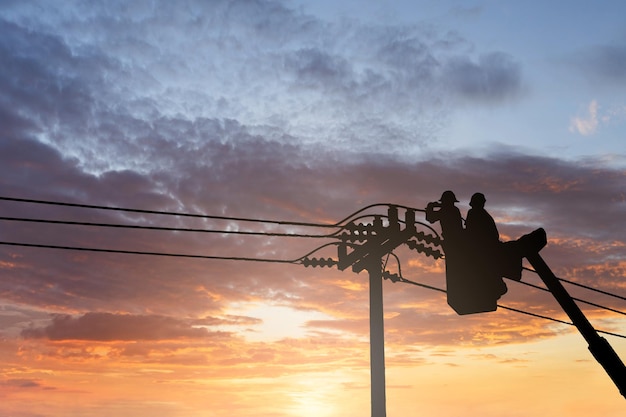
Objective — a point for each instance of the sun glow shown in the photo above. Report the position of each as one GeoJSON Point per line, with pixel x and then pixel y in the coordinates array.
{"type": "Point", "coordinates": [278, 322]}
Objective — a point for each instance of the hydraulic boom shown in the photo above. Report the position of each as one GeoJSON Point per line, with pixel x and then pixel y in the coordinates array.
{"type": "Point", "coordinates": [598, 346]}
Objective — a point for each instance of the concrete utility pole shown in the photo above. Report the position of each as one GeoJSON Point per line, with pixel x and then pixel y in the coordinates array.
{"type": "Point", "coordinates": [379, 241]}
{"type": "Point", "coordinates": [377, 341]}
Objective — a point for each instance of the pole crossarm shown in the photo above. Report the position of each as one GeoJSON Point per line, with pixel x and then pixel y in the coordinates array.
{"type": "Point", "coordinates": [380, 239]}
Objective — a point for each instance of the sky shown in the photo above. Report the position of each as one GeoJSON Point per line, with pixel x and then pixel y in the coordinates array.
{"type": "Point", "coordinates": [302, 111]}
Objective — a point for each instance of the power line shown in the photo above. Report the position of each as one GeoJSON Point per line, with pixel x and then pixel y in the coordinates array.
{"type": "Point", "coordinates": [204, 216]}
{"type": "Point", "coordinates": [132, 252]}
{"type": "Point", "coordinates": [402, 279]}
{"type": "Point", "coordinates": [168, 213]}
{"type": "Point", "coordinates": [592, 289]}
{"type": "Point", "coordinates": [573, 298]}
{"type": "Point", "coordinates": [523, 283]}
{"type": "Point", "coordinates": [583, 286]}
{"type": "Point", "coordinates": [171, 229]}
{"type": "Point", "coordinates": [251, 259]}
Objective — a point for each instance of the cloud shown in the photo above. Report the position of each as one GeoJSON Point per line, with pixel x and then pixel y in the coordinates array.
{"type": "Point", "coordinates": [250, 177]}
{"type": "Point", "coordinates": [102, 125]}
{"type": "Point", "coordinates": [605, 63]}
{"type": "Point", "coordinates": [588, 124]}
{"type": "Point", "coordinates": [595, 118]}
{"type": "Point", "coordinates": [318, 68]}
{"type": "Point", "coordinates": [495, 77]}
{"type": "Point", "coordinates": [21, 383]}
{"type": "Point", "coordinates": [108, 326]}
{"type": "Point", "coordinates": [349, 87]}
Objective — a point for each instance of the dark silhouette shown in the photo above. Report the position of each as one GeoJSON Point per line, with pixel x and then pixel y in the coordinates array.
{"type": "Point", "coordinates": [485, 248]}
{"type": "Point", "coordinates": [476, 259]}
{"type": "Point", "coordinates": [461, 289]}
{"type": "Point", "coordinates": [480, 225]}
{"type": "Point", "coordinates": [448, 215]}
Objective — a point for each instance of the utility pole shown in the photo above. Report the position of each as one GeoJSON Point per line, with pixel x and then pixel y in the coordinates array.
{"type": "Point", "coordinates": [379, 240]}
{"type": "Point", "coordinates": [377, 341]}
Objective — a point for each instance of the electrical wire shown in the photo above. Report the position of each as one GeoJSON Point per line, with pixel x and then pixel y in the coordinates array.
{"type": "Point", "coordinates": [520, 282]}
{"type": "Point", "coordinates": [402, 279]}
{"type": "Point", "coordinates": [167, 213]}
{"type": "Point", "coordinates": [250, 259]}
{"type": "Point", "coordinates": [132, 252]}
{"type": "Point", "coordinates": [573, 298]}
{"type": "Point", "coordinates": [592, 289]}
{"type": "Point", "coordinates": [290, 223]}
{"type": "Point", "coordinates": [582, 286]}
{"type": "Point", "coordinates": [352, 217]}
{"type": "Point", "coordinates": [171, 229]}
{"type": "Point", "coordinates": [202, 216]}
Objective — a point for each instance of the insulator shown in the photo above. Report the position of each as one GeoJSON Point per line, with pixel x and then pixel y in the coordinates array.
{"type": "Point", "coordinates": [329, 262]}
{"type": "Point", "coordinates": [378, 224]}
{"type": "Point", "coordinates": [409, 219]}
{"type": "Point", "coordinates": [420, 248]}
{"type": "Point", "coordinates": [431, 239]}
{"type": "Point", "coordinates": [391, 277]}
{"type": "Point", "coordinates": [321, 262]}
{"type": "Point", "coordinates": [356, 232]}
{"type": "Point", "coordinates": [392, 215]}
{"type": "Point", "coordinates": [350, 229]}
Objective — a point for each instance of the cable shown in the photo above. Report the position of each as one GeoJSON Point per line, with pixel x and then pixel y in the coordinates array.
{"type": "Point", "coordinates": [573, 298]}
{"type": "Point", "coordinates": [250, 259]}
{"type": "Point", "coordinates": [583, 286]}
{"type": "Point", "coordinates": [541, 316]}
{"type": "Point", "coordinates": [335, 225]}
{"type": "Point", "coordinates": [202, 216]}
{"type": "Point", "coordinates": [271, 234]}
{"type": "Point", "coordinates": [592, 289]}
{"type": "Point", "coordinates": [315, 250]}
{"type": "Point", "coordinates": [177, 255]}
{"type": "Point", "coordinates": [168, 213]}
{"type": "Point", "coordinates": [172, 229]}
{"type": "Point", "coordinates": [402, 279]}
{"type": "Point", "coordinates": [206, 216]}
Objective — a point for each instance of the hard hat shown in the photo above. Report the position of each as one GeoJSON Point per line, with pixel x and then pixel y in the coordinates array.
{"type": "Point", "coordinates": [448, 197]}
{"type": "Point", "coordinates": [478, 199]}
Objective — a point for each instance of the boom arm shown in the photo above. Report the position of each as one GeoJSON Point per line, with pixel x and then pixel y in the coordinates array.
{"type": "Point", "coordinates": [598, 346]}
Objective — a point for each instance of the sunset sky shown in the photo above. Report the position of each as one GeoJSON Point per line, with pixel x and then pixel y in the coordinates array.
{"type": "Point", "coordinates": [302, 111]}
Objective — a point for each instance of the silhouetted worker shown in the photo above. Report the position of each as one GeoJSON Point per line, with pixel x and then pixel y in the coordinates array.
{"type": "Point", "coordinates": [480, 226]}
{"type": "Point", "coordinates": [460, 288]}
{"type": "Point", "coordinates": [476, 259]}
{"type": "Point", "coordinates": [485, 247]}
{"type": "Point", "coordinates": [448, 216]}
